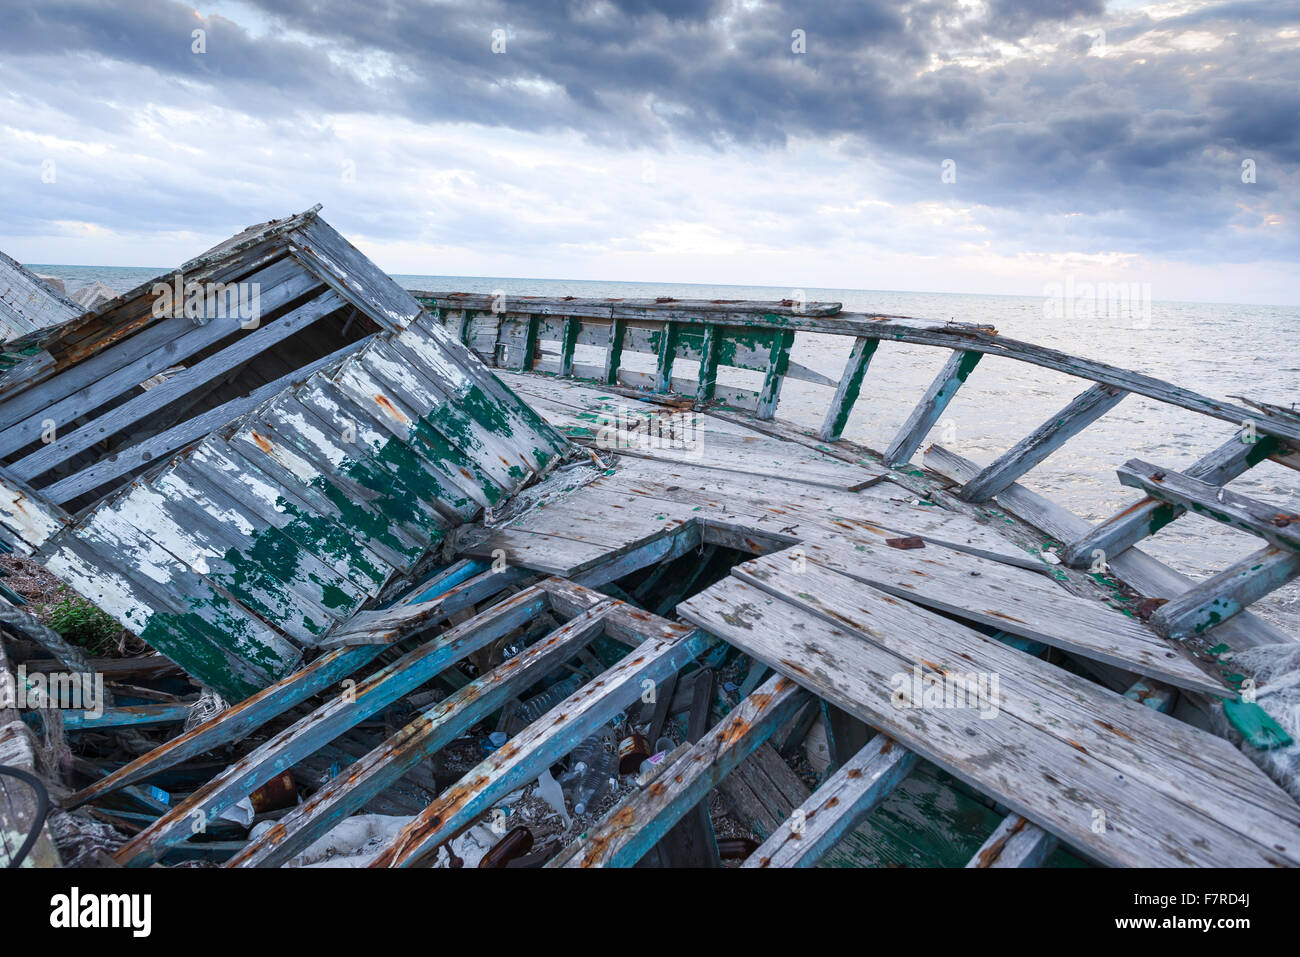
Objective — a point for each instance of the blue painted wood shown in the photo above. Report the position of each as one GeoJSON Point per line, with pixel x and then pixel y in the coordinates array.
{"type": "Point", "coordinates": [132, 716]}
{"type": "Point", "coordinates": [1082, 411]}
{"type": "Point", "coordinates": [540, 745]}
{"type": "Point", "coordinates": [437, 727]}
{"type": "Point", "coordinates": [1218, 598]}
{"type": "Point", "coordinates": [327, 722]}
{"type": "Point", "coordinates": [629, 831]}
{"type": "Point", "coordinates": [235, 722]}
{"type": "Point", "coordinates": [445, 579]}
{"type": "Point", "coordinates": [926, 412]}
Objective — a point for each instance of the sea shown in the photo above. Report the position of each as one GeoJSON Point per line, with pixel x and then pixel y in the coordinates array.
{"type": "Point", "coordinates": [1218, 349]}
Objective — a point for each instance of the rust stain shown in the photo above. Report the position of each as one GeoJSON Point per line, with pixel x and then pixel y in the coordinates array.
{"type": "Point", "coordinates": [1114, 730]}
{"type": "Point", "coordinates": [383, 402]}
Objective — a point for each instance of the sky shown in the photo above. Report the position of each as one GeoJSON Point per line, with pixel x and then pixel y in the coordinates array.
{"type": "Point", "coordinates": [967, 146]}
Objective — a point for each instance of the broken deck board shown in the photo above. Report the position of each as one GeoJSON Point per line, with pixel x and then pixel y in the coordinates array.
{"type": "Point", "coordinates": [1037, 773]}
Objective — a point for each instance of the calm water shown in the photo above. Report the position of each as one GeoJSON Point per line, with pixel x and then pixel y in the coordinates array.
{"type": "Point", "coordinates": [1219, 350]}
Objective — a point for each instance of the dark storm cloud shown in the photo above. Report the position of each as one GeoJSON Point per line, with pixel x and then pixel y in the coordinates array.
{"type": "Point", "coordinates": [1139, 141]}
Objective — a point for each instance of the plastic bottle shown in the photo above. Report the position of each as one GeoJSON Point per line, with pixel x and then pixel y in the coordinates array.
{"type": "Point", "coordinates": [536, 706]}
{"type": "Point", "coordinates": [590, 768]}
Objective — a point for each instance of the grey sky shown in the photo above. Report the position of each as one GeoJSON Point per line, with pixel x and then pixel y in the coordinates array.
{"type": "Point", "coordinates": [678, 141]}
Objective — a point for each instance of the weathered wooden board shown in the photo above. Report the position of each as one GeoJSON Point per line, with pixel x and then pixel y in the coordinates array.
{"type": "Point", "coordinates": [1048, 697]}
{"type": "Point", "coordinates": [1134, 566]}
{"type": "Point", "coordinates": [1058, 785]}
{"type": "Point", "coordinates": [848, 796]}
{"type": "Point", "coordinates": [349, 791]}
{"type": "Point", "coordinates": [1016, 601]}
{"type": "Point", "coordinates": [337, 715]}
{"type": "Point", "coordinates": [644, 429]}
{"type": "Point", "coordinates": [630, 829]}
{"type": "Point", "coordinates": [542, 743]}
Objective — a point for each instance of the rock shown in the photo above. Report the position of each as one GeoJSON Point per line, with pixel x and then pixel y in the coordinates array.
{"type": "Point", "coordinates": [54, 282]}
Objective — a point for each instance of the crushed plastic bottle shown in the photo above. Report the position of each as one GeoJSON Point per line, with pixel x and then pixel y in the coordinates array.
{"type": "Point", "coordinates": [591, 766]}
{"type": "Point", "coordinates": [536, 706]}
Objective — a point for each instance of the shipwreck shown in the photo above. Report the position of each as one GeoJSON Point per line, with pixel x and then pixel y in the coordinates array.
{"type": "Point", "coordinates": [423, 548]}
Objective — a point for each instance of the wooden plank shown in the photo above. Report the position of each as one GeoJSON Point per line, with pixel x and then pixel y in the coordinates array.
{"type": "Point", "coordinates": [532, 346]}
{"type": "Point", "coordinates": [926, 412]}
{"type": "Point", "coordinates": [25, 514]}
{"type": "Point", "coordinates": [1226, 594]}
{"type": "Point", "coordinates": [850, 385]}
{"type": "Point", "coordinates": [223, 549]}
{"type": "Point", "coordinates": [183, 383]}
{"type": "Point", "coordinates": [156, 447]}
{"type": "Point", "coordinates": [1056, 781]}
{"type": "Point", "coordinates": [354, 277]}
{"type": "Point", "coordinates": [403, 415]}
{"type": "Point", "coordinates": [666, 354]}
{"type": "Point", "coordinates": [327, 722]}
{"type": "Point", "coordinates": [837, 807]}
{"type": "Point", "coordinates": [542, 743]}
{"type": "Point", "coordinates": [279, 507]}
{"type": "Point", "coordinates": [1231, 508]}
{"type": "Point", "coordinates": [481, 393]}
{"type": "Point", "coordinates": [711, 352]}
{"type": "Point", "coordinates": [376, 450]}
{"type": "Point", "coordinates": [282, 283]}
{"type": "Point", "coordinates": [329, 494]}
{"type": "Point", "coordinates": [638, 823]}
{"type": "Point", "coordinates": [1136, 568]}
{"type": "Point", "coordinates": [1082, 411]}
{"type": "Point", "coordinates": [127, 716]}
{"type": "Point", "coordinates": [1020, 843]}
{"type": "Point", "coordinates": [437, 727]}
{"type": "Point", "coordinates": [1148, 515]}
{"type": "Point", "coordinates": [568, 345]}
{"type": "Point", "coordinates": [614, 351]}
{"type": "Point", "coordinates": [778, 365]}
{"type": "Point", "coordinates": [1016, 601]}
{"type": "Point", "coordinates": [1070, 707]}
{"type": "Point", "coordinates": [1016, 843]}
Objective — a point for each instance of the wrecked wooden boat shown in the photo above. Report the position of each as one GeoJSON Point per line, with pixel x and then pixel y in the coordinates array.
{"type": "Point", "coordinates": [448, 540]}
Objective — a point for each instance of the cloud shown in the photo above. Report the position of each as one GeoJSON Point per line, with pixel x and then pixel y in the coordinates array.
{"type": "Point", "coordinates": [1072, 128]}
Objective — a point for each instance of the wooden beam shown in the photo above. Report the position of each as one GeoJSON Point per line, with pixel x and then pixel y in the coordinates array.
{"type": "Point", "coordinates": [837, 807]}
{"type": "Point", "coordinates": [1230, 508]}
{"type": "Point", "coordinates": [926, 412]}
{"type": "Point", "coordinates": [1018, 842]}
{"type": "Point", "coordinates": [846, 393]}
{"type": "Point", "coordinates": [629, 831]}
{"type": "Point", "coordinates": [541, 744]}
{"type": "Point", "coordinates": [1226, 594]}
{"type": "Point", "coordinates": [710, 353]}
{"type": "Point", "coordinates": [1136, 568]}
{"type": "Point", "coordinates": [183, 383]}
{"type": "Point", "coordinates": [437, 727]}
{"type": "Point", "coordinates": [235, 722]}
{"type": "Point", "coordinates": [778, 364]}
{"type": "Point", "coordinates": [667, 354]}
{"type": "Point", "coordinates": [614, 350]}
{"type": "Point", "coordinates": [1148, 515]}
{"type": "Point", "coordinates": [1083, 410]}
{"type": "Point", "coordinates": [327, 722]}
{"type": "Point", "coordinates": [568, 345]}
